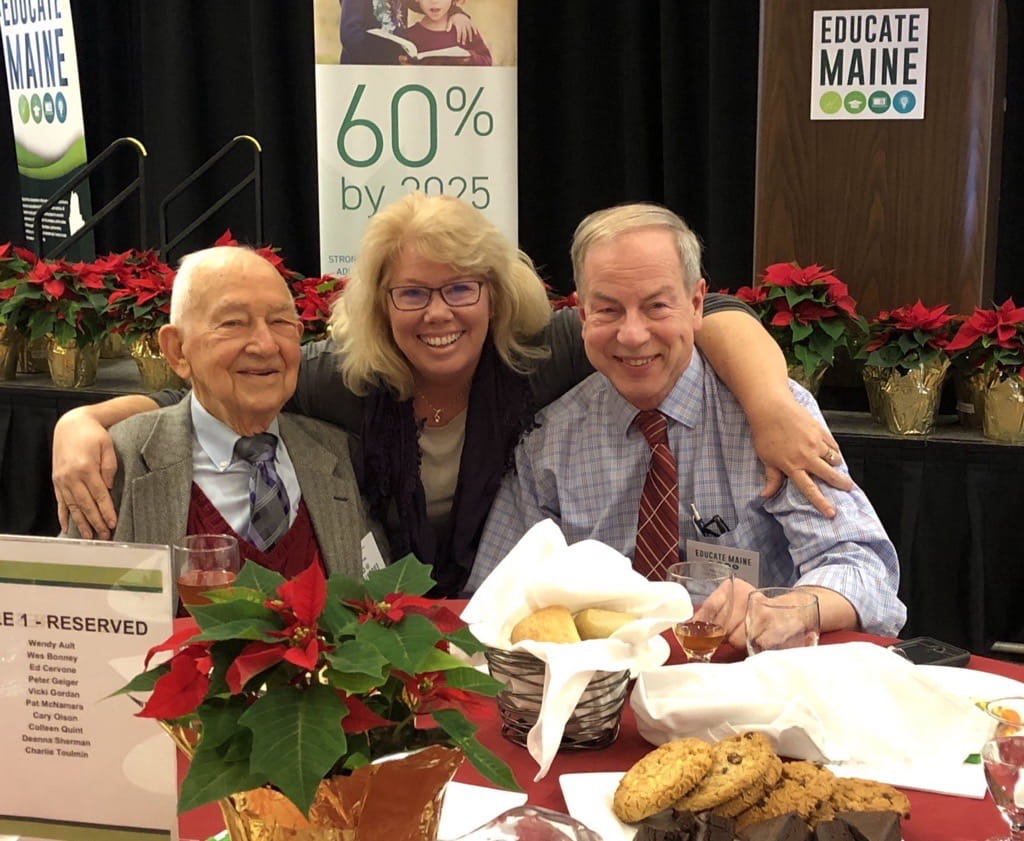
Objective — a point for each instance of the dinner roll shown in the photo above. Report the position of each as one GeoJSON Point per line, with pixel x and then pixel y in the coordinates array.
{"type": "Point", "coordinates": [548, 624]}
{"type": "Point", "coordinates": [594, 623]}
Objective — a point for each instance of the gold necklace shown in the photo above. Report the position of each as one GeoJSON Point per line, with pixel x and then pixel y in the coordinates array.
{"type": "Point", "coordinates": [438, 412]}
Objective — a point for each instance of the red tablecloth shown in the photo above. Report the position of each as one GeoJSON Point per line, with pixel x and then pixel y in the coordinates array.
{"type": "Point", "coordinates": [934, 817]}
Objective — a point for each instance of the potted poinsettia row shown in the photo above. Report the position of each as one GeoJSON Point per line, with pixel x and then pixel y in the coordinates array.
{"type": "Point", "coordinates": [906, 351]}
{"type": "Point", "coordinates": [72, 306]}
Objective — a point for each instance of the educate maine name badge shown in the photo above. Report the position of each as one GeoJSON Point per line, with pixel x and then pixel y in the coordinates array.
{"type": "Point", "coordinates": [76, 620]}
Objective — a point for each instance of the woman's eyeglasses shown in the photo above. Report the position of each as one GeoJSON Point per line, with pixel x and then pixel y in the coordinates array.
{"type": "Point", "coordinates": [461, 293]}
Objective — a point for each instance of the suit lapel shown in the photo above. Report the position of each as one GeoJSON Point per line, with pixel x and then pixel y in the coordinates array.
{"type": "Point", "coordinates": [163, 494]}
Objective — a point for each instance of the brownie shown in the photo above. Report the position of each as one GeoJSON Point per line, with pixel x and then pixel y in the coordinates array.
{"type": "Point", "coordinates": [787, 827]}
{"type": "Point", "coordinates": [834, 831]}
{"type": "Point", "coordinates": [872, 826]}
{"type": "Point", "coordinates": [712, 827]}
{"type": "Point", "coordinates": [666, 826]}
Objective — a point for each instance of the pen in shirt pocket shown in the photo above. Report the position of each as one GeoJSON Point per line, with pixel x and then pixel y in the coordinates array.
{"type": "Point", "coordinates": [714, 527]}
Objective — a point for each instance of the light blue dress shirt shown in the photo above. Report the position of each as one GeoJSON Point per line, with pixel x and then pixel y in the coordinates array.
{"type": "Point", "coordinates": [224, 478]}
{"type": "Point", "coordinates": [585, 467]}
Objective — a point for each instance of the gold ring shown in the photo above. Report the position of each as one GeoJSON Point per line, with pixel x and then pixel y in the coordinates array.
{"type": "Point", "coordinates": [830, 455]}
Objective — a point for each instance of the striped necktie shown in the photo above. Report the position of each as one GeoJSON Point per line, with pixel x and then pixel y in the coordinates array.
{"type": "Point", "coordinates": [657, 531]}
{"type": "Point", "coordinates": [268, 499]}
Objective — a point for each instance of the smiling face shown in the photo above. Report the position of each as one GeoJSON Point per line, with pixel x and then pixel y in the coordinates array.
{"type": "Point", "coordinates": [237, 339]}
{"type": "Point", "coordinates": [442, 344]}
{"type": "Point", "coordinates": [638, 319]}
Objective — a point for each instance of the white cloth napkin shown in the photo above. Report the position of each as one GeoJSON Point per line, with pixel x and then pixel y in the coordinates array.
{"type": "Point", "coordinates": [541, 570]}
{"type": "Point", "coordinates": [855, 704]}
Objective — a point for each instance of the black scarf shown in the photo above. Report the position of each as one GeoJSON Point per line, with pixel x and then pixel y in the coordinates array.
{"type": "Point", "coordinates": [500, 410]}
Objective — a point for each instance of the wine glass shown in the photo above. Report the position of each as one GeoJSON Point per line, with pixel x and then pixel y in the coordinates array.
{"type": "Point", "coordinates": [1003, 759]}
{"type": "Point", "coordinates": [1009, 715]}
{"type": "Point", "coordinates": [782, 617]}
{"type": "Point", "coordinates": [204, 562]}
{"type": "Point", "coordinates": [701, 635]}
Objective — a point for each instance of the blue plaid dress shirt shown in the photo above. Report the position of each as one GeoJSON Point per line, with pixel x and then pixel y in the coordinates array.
{"type": "Point", "coordinates": [585, 466]}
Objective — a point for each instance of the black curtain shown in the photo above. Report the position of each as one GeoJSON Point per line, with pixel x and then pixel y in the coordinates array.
{"type": "Point", "coordinates": [617, 101]}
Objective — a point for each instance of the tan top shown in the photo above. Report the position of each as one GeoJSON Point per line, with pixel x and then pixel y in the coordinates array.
{"type": "Point", "coordinates": [440, 455]}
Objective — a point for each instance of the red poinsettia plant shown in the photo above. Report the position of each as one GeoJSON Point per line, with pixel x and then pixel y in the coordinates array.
{"type": "Point", "coordinates": [139, 302]}
{"type": "Point", "coordinates": [908, 337]}
{"type": "Point", "coordinates": [313, 299]}
{"type": "Point", "coordinates": [63, 299]}
{"type": "Point", "coordinates": [288, 682]}
{"type": "Point", "coordinates": [808, 311]}
{"type": "Point", "coordinates": [15, 265]}
{"type": "Point", "coordinates": [991, 340]}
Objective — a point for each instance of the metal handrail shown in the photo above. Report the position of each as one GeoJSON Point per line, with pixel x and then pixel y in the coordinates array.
{"type": "Point", "coordinates": [138, 184]}
{"type": "Point", "coordinates": [253, 177]}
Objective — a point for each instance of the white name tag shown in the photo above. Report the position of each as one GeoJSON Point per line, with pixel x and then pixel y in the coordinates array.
{"type": "Point", "coordinates": [372, 558]}
{"type": "Point", "coordinates": [745, 562]}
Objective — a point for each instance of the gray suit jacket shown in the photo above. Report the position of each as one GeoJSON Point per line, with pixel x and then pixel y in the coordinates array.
{"type": "Point", "coordinates": [152, 488]}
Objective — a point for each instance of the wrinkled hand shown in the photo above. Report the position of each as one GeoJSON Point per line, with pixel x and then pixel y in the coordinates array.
{"type": "Point", "coordinates": [465, 30]}
{"type": "Point", "coordinates": [84, 465]}
{"type": "Point", "coordinates": [790, 441]}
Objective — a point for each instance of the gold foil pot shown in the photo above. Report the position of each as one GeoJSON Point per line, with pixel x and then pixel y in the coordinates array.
{"type": "Point", "coordinates": [11, 342]}
{"type": "Point", "coordinates": [73, 365]}
{"type": "Point", "coordinates": [154, 371]}
{"type": "Point", "coordinates": [970, 388]}
{"type": "Point", "coordinates": [872, 375]}
{"type": "Point", "coordinates": [32, 359]}
{"type": "Point", "coordinates": [908, 402]}
{"type": "Point", "coordinates": [395, 799]}
{"type": "Point", "coordinates": [812, 381]}
{"type": "Point", "coordinates": [113, 346]}
{"type": "Point", "coordinates": [1003, 416]}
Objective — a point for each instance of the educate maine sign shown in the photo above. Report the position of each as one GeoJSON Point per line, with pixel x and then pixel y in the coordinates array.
{"type": "Point", "coordinates": [869, 64]}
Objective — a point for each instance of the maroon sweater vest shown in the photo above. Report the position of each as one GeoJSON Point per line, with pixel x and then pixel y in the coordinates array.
{"type": "Point", "coordinates": [293, 553]}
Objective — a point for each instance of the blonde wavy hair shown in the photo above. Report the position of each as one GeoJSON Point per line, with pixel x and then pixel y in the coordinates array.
{"type": "Point", "coordinates": [611, 222]}
{"type": "Point", "coordinates": [450, 231]}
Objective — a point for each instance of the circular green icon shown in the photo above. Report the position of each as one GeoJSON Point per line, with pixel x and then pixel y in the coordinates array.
{"type": "Point", "coordinates": [37, 108]}
{"type": "Point", "coordinates": [879, 102]}
{"type": "Point", "coordinates": [23, 112]}
{"type": "Point", "coordinates": [830, 102]}
{"type": "Point", "coordinates": [855, 102]}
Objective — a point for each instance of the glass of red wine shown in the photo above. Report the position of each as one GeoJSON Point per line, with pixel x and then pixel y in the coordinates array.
{"type": "Point", "coordinates": [709, 585]}
{"type": "Point", "coordinates": [204, 562]}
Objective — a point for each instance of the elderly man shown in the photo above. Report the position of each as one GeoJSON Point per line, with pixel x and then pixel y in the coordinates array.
{"type": "Point", "coordinates": [226, 460]}
{"type": "Point", "coordinates": [589, 463]}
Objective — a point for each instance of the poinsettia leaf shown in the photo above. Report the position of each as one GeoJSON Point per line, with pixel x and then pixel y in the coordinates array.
{"type": "Point", "coordinates": [297, 738]}
{"type": "Point", "coordinates": [834, 327]}
{"type": "Point", "coordinates": [351, 657]}
{"type": "Point", "coordinates": [209, 616]}
{"type": "Point", "coordinates": [464, 639]}
{"type": "Point", "coordinates": [211, 776]}
{"type": "Point", "coordinates": [461, 731]}
{"type": "Point", "coordinates": [264, 581]}
{"type": "Point", "coordinates": [143, 682]}
{"type": "Point", "coordinates": [305, 594]}
{"type": "Point", "coordinates": [800, 331]}
{"type": "Point", "coordinates": [337, 618]}
{"type": "Point", "coordinates": [441, 661]}
{"type": "Point", "coordinates": [341, 588]}
{"type": "Point", "coordinates": [218, 719]}
{"type": "Point", "coordinates": [405, 645]}
{"type": "Point", "coordinates": [353, 683]}
{"type": "Point", "coordinates": [473, 681]}
{"type": "Point", "coordinates": [407, 576]}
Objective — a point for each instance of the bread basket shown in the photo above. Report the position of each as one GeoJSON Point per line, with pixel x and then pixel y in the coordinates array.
{"type": "Point", "coordinates": [594, 723]}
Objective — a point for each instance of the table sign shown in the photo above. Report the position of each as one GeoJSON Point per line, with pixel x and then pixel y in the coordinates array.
{"type": "Point", "coordinates": [76, 619]}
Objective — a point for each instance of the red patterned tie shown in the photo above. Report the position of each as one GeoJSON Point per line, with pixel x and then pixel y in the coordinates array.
{"type": "Point", "coordinates": [657, 531]}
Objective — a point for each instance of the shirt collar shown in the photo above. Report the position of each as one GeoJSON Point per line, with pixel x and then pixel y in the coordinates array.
{"type": "Point", "coordinates": [217, 439]}
{"type": "Point", "coordinates": [684, 403]}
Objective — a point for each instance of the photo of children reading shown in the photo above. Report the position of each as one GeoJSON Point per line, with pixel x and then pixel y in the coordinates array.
{"type": "Point", "coordinates": [372, 31]}
{"type": "Point", "coordinates": [436, 41]}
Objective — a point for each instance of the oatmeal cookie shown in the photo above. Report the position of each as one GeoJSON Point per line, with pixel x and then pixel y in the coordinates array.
{"type": "Point", "coordinates": [660, 778]}
{"type": "Point", "coordinates": [739, 762]}
{"type": "Point", "coordinates": [802, 788]}
{"type": "Point", "coordinates": [857, 795]}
